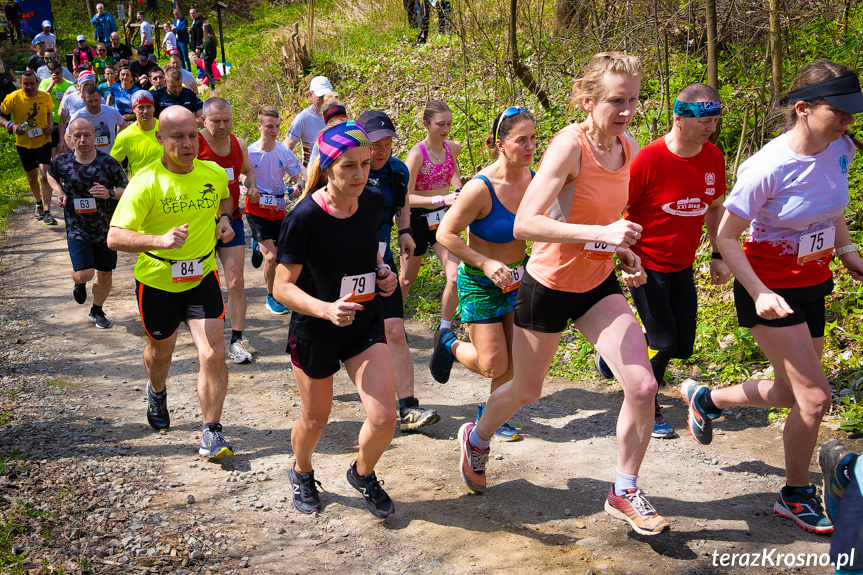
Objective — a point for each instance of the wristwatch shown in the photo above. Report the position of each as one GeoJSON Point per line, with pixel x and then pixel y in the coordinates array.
{"type": "Point", "coordinates": [112, 193]}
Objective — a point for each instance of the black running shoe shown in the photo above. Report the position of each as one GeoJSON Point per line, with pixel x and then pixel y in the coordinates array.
{"type": "Point", "coordinates": [257, 256]}
{"type": "Point", "coordinates": [99, 319]}
{"type": "Point", "coordinates": [40, 212]}
{"type": "Point", "coordinates": [79, 292]}
{"type": "Point", "coordinates": [48, 219]}
{"type": "Point", "coordinates": [415, 417]}
{"type": "Point", "coordinates": [157, 411]}
{"type": "Point", "coordinates": [378, 502]}
{"type": "Point", "coordinates": [440, 363]}
{"type": "Point", "coordinates": [305, 488]}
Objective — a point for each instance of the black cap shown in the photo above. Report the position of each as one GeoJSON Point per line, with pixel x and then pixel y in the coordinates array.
{"type": "Point", "coordinates": [842, 92]}
{"type": "Point", "coordinates": [377, 125]}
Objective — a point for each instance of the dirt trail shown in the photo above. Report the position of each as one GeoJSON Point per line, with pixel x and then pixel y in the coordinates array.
{"type": "Point", "coordinates": [128, 499]}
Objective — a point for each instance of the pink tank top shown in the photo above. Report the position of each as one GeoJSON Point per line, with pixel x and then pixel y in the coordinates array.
{"type": "Point", "coordinates": [433, 176]}
{"type": "Point", "coordinates": [599, 196]}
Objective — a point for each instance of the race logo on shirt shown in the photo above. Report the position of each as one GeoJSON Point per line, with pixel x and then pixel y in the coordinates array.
{"type": "Point", "coordinates": [709, 178]}
{"type": "Point", "coordinates": [687, 207]}
{"type": "Point", "coordinates": [182, 202]}
{"type": "Point", "coordinates": [843, 164]}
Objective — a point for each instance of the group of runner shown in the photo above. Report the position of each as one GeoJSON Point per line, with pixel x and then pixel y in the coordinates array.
{"type": "Point", "coordinates": [330, 259]}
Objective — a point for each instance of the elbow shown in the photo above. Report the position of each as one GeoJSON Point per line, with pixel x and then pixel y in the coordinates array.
{"type": "Point", "coordinates": [112, 239]}
{"type": "Point", "coordinates": [519, 230]}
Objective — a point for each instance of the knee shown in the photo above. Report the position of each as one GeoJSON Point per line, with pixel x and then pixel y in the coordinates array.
{"type": "Point", "coordinates": [493, 365]}
{"type": "Point", "coordinates": [83, 276]}
{"type": "Point", "coordinates": [210, 354]}
{"type": "Point", "coordinates": [316, 421]}
{"type": "Point", "coordinates": [642, 390]}
{"type": "Point", "coordinates": [395, 333]}
{"type": "Point", "coordinates": [381, 421]}
{"type": "Point", "coordinates": [269, 257]}
{"type": "Point", "coordinates": [159, 353]}
{"type": "Point", "coordinates": [236, 284]}
{"type": "Point", "coordinates": [815, 406]}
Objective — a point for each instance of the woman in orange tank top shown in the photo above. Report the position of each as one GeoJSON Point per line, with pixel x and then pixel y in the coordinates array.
{"type": "Point", "coordinates": [572, 210]}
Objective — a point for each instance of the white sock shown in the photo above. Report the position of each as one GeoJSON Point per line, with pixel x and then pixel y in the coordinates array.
{"type": "Point", "coordinates": [622, 482]}
{"type": "Point", "coordinates": [445, 324]}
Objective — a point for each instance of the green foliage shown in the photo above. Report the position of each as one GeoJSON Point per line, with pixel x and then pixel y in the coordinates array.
{"type": "Point", "coordinates": [5, 458]}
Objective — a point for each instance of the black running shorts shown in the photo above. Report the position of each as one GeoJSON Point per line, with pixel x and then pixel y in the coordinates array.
{"type": "Point", "coordinates": [807, 303]}
{"type": "Point", "coordinates": [162, 311]}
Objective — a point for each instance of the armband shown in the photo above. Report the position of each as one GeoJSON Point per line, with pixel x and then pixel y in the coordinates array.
{"type": "Point", "coordinates": [846, 249]}
{"type": "Point", "coordinates": [716, 256]}
{"type": "Point", "coordinates": [438, 201]}
{"type": "Point", "coordinates": [9, 126]}
{"type": "Point", "coordinates": [407, 230]}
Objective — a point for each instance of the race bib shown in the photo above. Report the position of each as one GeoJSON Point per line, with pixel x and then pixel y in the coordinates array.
{"type": "Point", "coordinates": [382, 248]}
{"type": "Point", "coordinates": [103, 140]}
{"type": "Point", "coordinates": [363, 286]}
{"type": "Point", "coordinates": [517, 274]}
{"type": "Point", "coordinates": [34, 132]}
{"type": "Point", "coordinates": [816, 245]}
{"type": "Point", "coordinates": [84, 205]}
{"type": "Point", "coordinates": [269, 202]}
{"type": "Point", "coordinates": [435, 218]}
{"type": "Point", "coordinates": [187, 271]}
{"type": "Point", "coordinates": [58, 96]}
{"type": "Point", "coordinates": [230, 172]}
{"type": "Point", "coordinates": [598, 251]}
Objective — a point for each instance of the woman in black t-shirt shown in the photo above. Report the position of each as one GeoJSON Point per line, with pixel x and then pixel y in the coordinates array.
{"type": "Point", "coordinates": [329, 272]}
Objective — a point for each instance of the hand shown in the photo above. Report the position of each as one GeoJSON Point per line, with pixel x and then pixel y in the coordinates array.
{"type": "Point", "coordinates": [621, 233]}
{"type": "Point", "coordinates": [47, 130]}
{"type": "Point", "coordinates": [295, 191]}
{"type": "Point", "coordinates": [407, 245]}
{"type": "Point", "coordinates": [100, 191]}
{"type": "Point", "coordinates": [224, 231]}
{"type": "Point", "coordinates": [61, 200]}
{"type": "Point", "coordinates": [854, 264]}
{"type": "Point", "coordinates": [631, 272]}
{"type": "Point", "coordinates": [497, 272]}
{"type": "Point", "coordinates": [770, 305]}
{"type": "Point", "coordinates": [19, 130]}
{"type": "Point", "coordinates": [449, 199]}
{"type": "Point", "coordinates": [253, 194]}
{"type": "Point", "coordinates": [61, 146]}
{"type": "Point", "coordinates": [387, 280]}
{"type": "Point", "coordinates": [342, 312]}
{"type": "Point", "coordinates": [719, 272]}
{"type": "Point", "coordinates": [175, 237]}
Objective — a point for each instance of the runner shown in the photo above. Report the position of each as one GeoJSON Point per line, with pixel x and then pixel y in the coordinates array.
{"type": "Point", "coordinates": [219, 145]}
{"type": "Point", "coordinates": [55, 86]}
{"type": "Point", "coordinates": [309, 123]}
{"type": "Point", "coordinates": [188, 77]}
{"type": "Point", "coordinates": [122, 92]}
{"type": "Point", "coordinates": [272, 161]}
{"type": "Point", "coordinates": [106, 121]}
{"type": "Point", "coordinates": [175, 276]}
{"type": "Point", "coordinates": [583, 183]}
{"type": "Point", "coordinates": [433, 168]}
{"type": "Point", "coordinates": [792, 194]}
{"type": "Point", "coordinates": [73, 101]}
{"type": "Point", "coordinates": [842, 471]}
{"type": "Point", "coordinates": [391, 176]}
{"type": "Point", "coordinates": [110, 80]}
{"type": "Point", "coordinates": [88, 184]}
{"type": "Point", "coordinates": [138, 142]}
{"type": "Point", "coordinates": [32, 123]}
{"type": "Point", "coordinates": [493, 259]}
{"type": "Point", "coordinates": [327, 255]}
{"type": "Point", "coordinates": [677, 185]}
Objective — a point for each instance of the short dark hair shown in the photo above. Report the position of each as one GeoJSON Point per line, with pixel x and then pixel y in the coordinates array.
{"type": "Point", "coordinates": [698, 92]}
{"type": "Point", "coordinates": [28, 73]}
{"type": "Point", "coordinates": [53, 65]}
{"type": "Point", "coordinates": [90, 89]}
{"type": "Point", "coordinates": [268, 112]}
{"type": "Point", "coordinates": [154, 70]}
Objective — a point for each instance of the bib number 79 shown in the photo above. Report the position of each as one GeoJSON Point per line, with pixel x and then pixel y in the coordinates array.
{"type": "Point", "coordinates": [363, 286]}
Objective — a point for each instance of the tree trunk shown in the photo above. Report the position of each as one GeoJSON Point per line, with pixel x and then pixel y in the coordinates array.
{"type": "Point", "coordinates": [712, 45]}
{"type": "Point", "coordinates": [91, 8]}
{"type": "Point", "coordinates": [522, 71]}
{"type": "Point", "coordinates": [775, 51]}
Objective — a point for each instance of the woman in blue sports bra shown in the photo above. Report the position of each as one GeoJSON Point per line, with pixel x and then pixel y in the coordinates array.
{"type": "Point", "coordinates": [492, 259]}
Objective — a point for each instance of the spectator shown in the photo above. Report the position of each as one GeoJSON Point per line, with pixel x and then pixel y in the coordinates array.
{"type": "Point", "coordinates": [199, 64]}
{"type": "Point", "coordinates": [102, 61]}
{"type": "Point", "coordinates": [110, 80]}
{"type": "Point", "coordinates": [43, 73]}
{"type": "Point", "coordinates": [47, 36]}
{"type": "Point", "coordinates": [175, 94]}
{"type": "Point", "coordinates": [119, 52]}
{"type": "Point", "coordinates": [170, 42]}
{"type": "Point", "coordinates": [188, 77]}
{"type": "Point", "coordinates": [209, 52]}
{"type": "Point", "coordinates": [181, 29]}
{"type": "Point", "coordinates": [146, 30]}
{"type": "Point", "coordinates": [121, 94]}
{"type": "Point", "coordinates": [157, 79]}
{"type": "Point", "coordinates": [37, 60]}
{"type": "Point", "coordinates": [103, 24]}
{"type": "Point", "coordinates": [196, 35]}
{"type": "Point", "coordinates": [13, 20]}
{"type": "Point", "coordinates": [308, 123]}
{"type": "Point", "coordinates": [141, 69]}
{"type": "Point", "coordinates": [7, 80]}
{"type": "Point", "coordinates": [83, 56]}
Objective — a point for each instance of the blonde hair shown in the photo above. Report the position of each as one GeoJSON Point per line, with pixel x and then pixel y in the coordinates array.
{"type": "Point", "coordinates": [317, 177]}
{"type": "Point", "coordinates": [590, 85]}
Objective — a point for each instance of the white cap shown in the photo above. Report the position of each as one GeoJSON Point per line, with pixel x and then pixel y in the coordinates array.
{"type": "Point", "coordinates": [320, 86]}
{"type": "Point", "coordinates": [81, 38]}
{"type": "Point", "coordinates": [46, 23]}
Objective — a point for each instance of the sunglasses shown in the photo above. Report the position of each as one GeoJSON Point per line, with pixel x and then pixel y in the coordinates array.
{"type": "Point", "coordinates": [508, 113]}
{"type": "Point", "coordinates": [49, 58]}
{"type": "Point", "coordinates": [103, 51]}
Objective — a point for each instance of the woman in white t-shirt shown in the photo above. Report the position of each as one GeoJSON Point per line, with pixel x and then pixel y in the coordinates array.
{"type": "Point", "coordinates": [792, 194]}
{"type": "Point", "coordinates": [170, 42]}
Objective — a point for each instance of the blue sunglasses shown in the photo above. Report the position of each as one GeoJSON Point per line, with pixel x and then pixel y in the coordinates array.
{"type": "Point", "coordinates": [508, 113]}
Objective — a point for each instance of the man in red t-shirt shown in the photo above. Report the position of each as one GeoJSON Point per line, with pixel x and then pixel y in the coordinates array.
{"type": "Point", "coordinates": [219, 145]}
{"type": "Point", "coordinates": [677, 185]}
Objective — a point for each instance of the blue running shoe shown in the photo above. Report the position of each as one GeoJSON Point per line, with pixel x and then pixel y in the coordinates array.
{"type": "Point", "coordinates": [699, 421]}
{"type": "Point", "coordinates": [214, 445]}
{"type": "Point", "coordinates": [661, 428]}
{"type": "Point", "coordinates": [504, 433]}
{"type": "Point", "coordinates": [835, 461]}
{"type": "Point", "coordinates": [275, 306]}
{"type": "Point", "coordinates": [257, 256]}
{"type": "Point", "coordinates": [440, 362]}
{"type": "Point", "coordinates": [602, 367]}
{"type": "Point", "coordinates": [802, 506]}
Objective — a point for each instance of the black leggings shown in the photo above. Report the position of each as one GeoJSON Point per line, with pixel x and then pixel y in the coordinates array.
{"type": "Point", "coordinates": [668, 307]}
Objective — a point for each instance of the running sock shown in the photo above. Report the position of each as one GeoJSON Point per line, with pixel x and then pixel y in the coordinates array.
{"type": "Point", "coordinates": [408, 402]}
{"type": "Point", "coordinates": [445, 324]}
{"type": "Point", "coordinates": [477, 442]}
{"type": "Point", "coordinates": [707, 404]}
{"type": "Point", "coordinates": [210, 426]}
{"type": "Point", "coordinates": [622, 482]}
{"type": "Point", "coordinates": [96, 310]}
{"type": "Point", "coordinates": [236, 335]}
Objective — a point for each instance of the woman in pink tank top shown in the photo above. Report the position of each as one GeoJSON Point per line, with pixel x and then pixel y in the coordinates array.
{"type": "Point", "coordinates": [434, 171]}
{"type": "Point", "coordinates": [572, 210]}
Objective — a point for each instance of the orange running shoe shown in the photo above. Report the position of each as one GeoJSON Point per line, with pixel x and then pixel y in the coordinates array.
{"type": "Point", "coordinates": [634, 508]}
{"type": "Point", "coordinates": [472, 460]}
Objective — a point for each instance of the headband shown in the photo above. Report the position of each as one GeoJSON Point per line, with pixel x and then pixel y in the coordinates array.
{"type": "Point", "coordinates": [334, 111]}
{"type": "Point", "coordinates": [697, 109]}
{"type": "Point", "coordinates": [842, 92]}
{"type": "Point", "coordinates": [338, 139]}
{"type": "Point", "coordinates": [142, 97]}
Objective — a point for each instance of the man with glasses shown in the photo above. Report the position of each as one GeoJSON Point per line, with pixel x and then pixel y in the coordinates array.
{"type": "Point", "coordinates": [119, 52]}
{"type": "Point", "coordinates": [196, 34]}
{"type": "Point", "coordinates": [103, 23]}
{"type": "Point", "coordinates": [43, 73]}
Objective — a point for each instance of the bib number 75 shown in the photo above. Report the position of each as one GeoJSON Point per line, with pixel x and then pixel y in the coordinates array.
{"type": "Point", "coordinates": [816, 245]}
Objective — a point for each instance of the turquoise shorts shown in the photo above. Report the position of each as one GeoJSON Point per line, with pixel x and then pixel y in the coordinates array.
{"type": "Point", "coordinates": [480, 300]}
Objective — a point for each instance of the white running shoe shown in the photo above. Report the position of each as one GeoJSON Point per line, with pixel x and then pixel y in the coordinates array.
{"type": "Point", "coordinates": [239, 353]}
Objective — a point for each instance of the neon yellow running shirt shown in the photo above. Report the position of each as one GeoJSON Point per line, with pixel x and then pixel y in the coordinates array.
{"type": "Point", "coordinates": [140, 147]}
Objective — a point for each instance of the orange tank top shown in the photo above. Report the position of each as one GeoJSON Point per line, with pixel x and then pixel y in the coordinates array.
{"type": "Point", "coordinates": [233, 165]}
{"type": "Point", "coordinates": [598, 198]}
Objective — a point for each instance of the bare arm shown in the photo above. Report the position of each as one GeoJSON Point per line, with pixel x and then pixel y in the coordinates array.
{"type": "Point", "coordinates": [247, 174]}
{"type": "Point", "coordinates": [851, 260]}
{"type": "Point", "coordinates": [719, 272]}
{"type": "Point", "coordinates": [285, 290]}
{"type": "Point", "coordinates": [407, 245]}
{"type": "Point", "coordinates": [455, 147]}
{"type": "Point", "coordinates": [125, 240]}
{"type": "Point", "coordinates": [290, 142]}
{"type": "Point", "coordinates": [58, 190]}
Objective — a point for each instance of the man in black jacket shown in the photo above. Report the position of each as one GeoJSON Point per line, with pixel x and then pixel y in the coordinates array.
{"type": "Point", "coordinates": [196, 31]}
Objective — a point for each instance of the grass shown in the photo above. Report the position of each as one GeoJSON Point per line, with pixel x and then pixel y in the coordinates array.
{"type": "Point", "coordinates": [62, 383]}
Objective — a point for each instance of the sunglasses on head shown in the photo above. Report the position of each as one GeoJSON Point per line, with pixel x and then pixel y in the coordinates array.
{"type": "Point", "coordinates": [508, 113]}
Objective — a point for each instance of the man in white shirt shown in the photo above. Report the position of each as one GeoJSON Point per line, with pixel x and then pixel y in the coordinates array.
{"type": "Point", "coordinates": [309, 123]}
{"type": "Point", "coordinates": [106, 121]}
{"type": "Point", "coordinates": [46, 36]}
{"type": "Point", "coordinates": [188, 78]}
{"type": "Point", "coordinates": [146, 30]}
{"type": "Point", "coordinates": [43, 73]}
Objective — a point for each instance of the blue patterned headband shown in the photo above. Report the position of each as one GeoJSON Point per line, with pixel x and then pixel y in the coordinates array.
{"type": "Point", "coordinates": [697, 109]}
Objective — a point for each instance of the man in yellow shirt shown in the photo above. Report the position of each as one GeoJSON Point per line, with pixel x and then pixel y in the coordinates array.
{"type": "Point", "coordinates": [171, 214]}
{"type": "Point", "coordinates": [32, 123]}
{"type": "Point", "coordinates": [138, 142]}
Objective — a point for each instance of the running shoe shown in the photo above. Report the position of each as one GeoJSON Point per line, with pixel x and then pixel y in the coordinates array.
{"type": "Point", "coordinates": [257, 256]}
{"type": "Point", "coordinates": [661, 428]}
{"type": "Point", "coordinates": [473, 460]}
{"type": "Point", "coordinates": [48, 219]}
{"type": "Point", "coordinates": [415, 417]}
{"type": "Point", "coordinates": [634, 508]}
{"type": "Point", "coordinates": [157, 410]}
{"type": "Point", "coordinates": [378, 502]}
{"type": "Point", "coordinates": [275, 306]}
{"type": "Point", "coordinates": [40, 212]}
{"type": "Point", "coordinates": [602, 367]}
{"type": "Point", "coordinates": [79, 292]}
{"type": "Point", "coordinates": [99, 319]}
{"type": "Point", "coordinates": [440, 363]}
{"type": "Point", "coordinates": [239, 353]}
{"type": "Point", "coordinates": [835, 461]}
{"type": "Point", "coordinates": [698, 421]}
{"type": "Point", "coordinates": [803, 507]}
{"type": "Point", "coordinates": [305, 487]}
{"type": "Point", "coordinates": [505, 433]}
{"type": "Point", "coordinates": [214, 445]}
